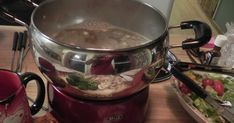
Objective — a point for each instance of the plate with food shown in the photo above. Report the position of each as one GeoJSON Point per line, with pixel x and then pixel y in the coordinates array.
{"type": "Point", "coordinates": [220, 87]}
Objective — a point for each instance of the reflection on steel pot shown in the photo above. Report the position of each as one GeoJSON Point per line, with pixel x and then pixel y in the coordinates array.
{"type": "Point", "coordinates": [103, 49]}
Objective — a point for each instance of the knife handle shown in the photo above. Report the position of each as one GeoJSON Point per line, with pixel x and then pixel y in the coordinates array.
{"type": "Point", "coordinates": [24, 40]}
{"type": "Point", "coordinates": [14, 46]}
{"type": "Point", "coordinates": [188, 82]}
{"type": "Point", "coordinates": [20, 41]}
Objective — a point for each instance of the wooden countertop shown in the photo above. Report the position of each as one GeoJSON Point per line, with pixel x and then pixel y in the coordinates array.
{"type": "Point", "coordinates": [164, 106]}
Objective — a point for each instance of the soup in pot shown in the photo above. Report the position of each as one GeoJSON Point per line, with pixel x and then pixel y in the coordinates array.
{"type": "Point", "coordinates": [100, 35]}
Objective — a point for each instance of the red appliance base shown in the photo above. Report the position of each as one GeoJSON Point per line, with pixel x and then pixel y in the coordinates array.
{"type": "Point", "coordinates": [67, 109]}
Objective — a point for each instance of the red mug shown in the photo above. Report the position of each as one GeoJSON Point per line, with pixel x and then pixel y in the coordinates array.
{"type": "Point", "coordinates": [14, 106]}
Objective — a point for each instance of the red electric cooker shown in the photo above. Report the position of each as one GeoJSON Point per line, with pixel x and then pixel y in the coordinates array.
{"type": "Point", "coordinates": [67, 109]}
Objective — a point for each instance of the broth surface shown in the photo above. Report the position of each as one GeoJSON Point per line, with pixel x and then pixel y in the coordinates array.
{"type": "Point", "coordinates": [97, 34]}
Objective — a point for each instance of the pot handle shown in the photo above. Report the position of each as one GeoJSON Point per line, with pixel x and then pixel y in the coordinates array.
{"type": "Point", "coordinates": [202, 34]}
{"type": "Point", "coordinates": [37, 105]}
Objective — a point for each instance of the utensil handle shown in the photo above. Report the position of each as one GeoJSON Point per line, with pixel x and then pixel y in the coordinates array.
{"type": "Point", "coordinates": [208, 68]}
{"type": "Point", "coordinates": [37, 105]}
{"type": "Point", "coordinates": [31, 3]}
{"type": "Point", "coordinates": [15, 38]}
{"type": "Point", "coordinates": [10, 18]}
{"type": "Point", "coordinates": [6, 16]}
{"type": "Point", "coordinates": [25, 38]}
{"type": "Point", "coordinates": [202, 34]}
{"type": "Point", "coordinates": [20, 41]}
{"type": "Point", "coordinates": [188, 82]}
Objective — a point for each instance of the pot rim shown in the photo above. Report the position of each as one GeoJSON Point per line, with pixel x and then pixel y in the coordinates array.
{"type": "Point", "coordinates": [161, 37]}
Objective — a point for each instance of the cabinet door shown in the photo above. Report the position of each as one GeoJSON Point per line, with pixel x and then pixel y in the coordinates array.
{"type": "Point", "coordinates": [209, 6]}
{"type": "Point", "coordinates": [224, 14]}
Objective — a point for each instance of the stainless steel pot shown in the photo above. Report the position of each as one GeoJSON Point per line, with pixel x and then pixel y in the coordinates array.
{"type": "Point", "coordinates": [103, 73]}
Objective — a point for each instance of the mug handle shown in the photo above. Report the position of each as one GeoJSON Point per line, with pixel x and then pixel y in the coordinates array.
{"type": "Point", "coordinates": [37, 105]}
{"type": "Point", "coordinates": [202, 34]}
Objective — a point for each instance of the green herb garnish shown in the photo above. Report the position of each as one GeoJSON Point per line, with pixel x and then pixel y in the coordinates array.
{"type": "Point", "coordinates": [81, 83]}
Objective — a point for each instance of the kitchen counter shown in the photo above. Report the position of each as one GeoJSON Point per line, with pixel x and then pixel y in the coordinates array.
{"type": "Point", "coordinates": [164, 106]}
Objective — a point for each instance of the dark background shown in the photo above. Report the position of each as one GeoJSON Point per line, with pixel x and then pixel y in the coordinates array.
{"type": "Point", "coordinates": [18, 8]}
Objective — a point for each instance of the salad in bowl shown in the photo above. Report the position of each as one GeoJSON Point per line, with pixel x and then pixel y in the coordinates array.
{"type": "Point", "coordinates": [218, 86]}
